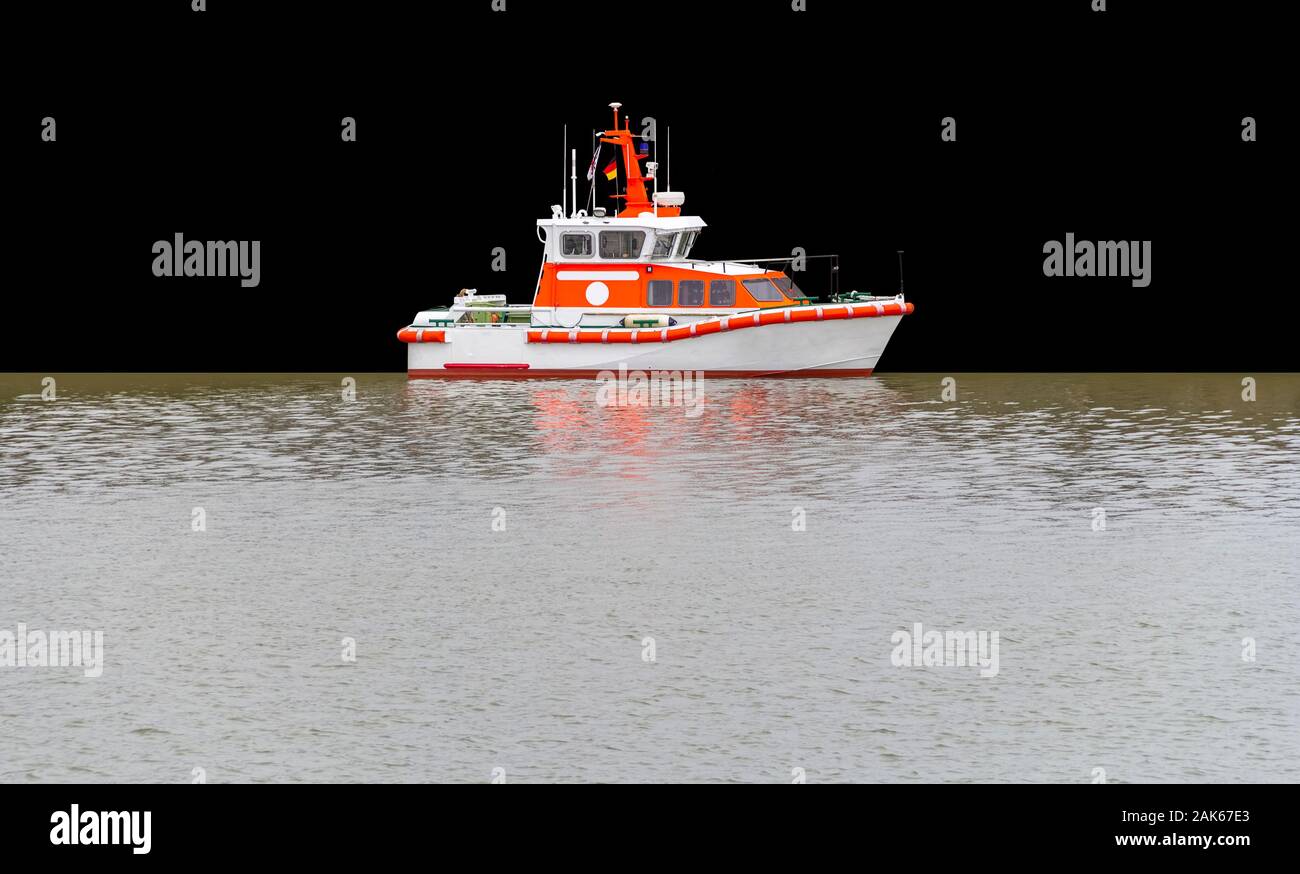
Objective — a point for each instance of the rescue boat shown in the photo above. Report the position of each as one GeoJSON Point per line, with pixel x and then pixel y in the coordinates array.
{"type": "Point", "coordinates": [625, 290]}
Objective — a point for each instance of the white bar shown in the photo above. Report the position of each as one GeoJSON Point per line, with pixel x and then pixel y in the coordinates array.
{"type": "Point", "coordinates": [593, 275]}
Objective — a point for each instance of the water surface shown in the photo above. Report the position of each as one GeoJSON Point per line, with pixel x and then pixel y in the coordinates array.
{"type": "Point", "coordinates": [524, 648]}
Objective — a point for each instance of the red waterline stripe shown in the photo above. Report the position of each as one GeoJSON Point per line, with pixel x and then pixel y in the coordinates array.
{"type": "Point", "coordinates": [498, 371]}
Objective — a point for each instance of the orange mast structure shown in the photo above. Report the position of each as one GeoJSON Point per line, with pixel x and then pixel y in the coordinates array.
{"type": "Point", "coordinates": [636, 200]}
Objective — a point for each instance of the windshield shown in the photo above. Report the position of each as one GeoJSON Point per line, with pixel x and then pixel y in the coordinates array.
{"type": "Point", "coordinates": [664, 245]}
{"type": "Point", "coordinates": [665, 242]}
{"type": "Point", "coordinates": [688, 240]}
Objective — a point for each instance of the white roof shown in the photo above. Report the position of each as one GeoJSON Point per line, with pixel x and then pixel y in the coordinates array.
{"type": "Point", "coordinates": [644, 220]}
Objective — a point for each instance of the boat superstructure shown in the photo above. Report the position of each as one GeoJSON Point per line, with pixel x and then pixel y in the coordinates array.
{"type": "Point", "coordinates": [624, 289]}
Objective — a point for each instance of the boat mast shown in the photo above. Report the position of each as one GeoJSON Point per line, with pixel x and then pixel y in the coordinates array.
{"type": "Point", "coordinates": [654, 164]}
{"type": "Point", "coordinates": [635, 195]}
{"type": "Point", "coordinates": [615, 106]}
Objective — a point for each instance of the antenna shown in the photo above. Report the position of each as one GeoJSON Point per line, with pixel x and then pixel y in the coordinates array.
{"type": "Point", "coordinates": [653, 164]}
{"type": "Point", "coordinates": [564, 194]}
{"type": "Point", "coordinates": [574, 181]}
{"type": "Point", "coordinates": [900, 271]}
{"type": "Point", "coordinates": [668, 153]}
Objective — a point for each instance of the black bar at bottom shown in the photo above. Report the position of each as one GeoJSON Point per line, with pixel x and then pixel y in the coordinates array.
{"type": "Point", "coordinates": [339, 823]}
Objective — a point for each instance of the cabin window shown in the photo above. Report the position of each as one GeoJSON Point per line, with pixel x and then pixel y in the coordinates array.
{"type": "Point", "coordinates": [690, 293]}
{"type": "Point", "coordinates": [722, 293]}
{"type": "Point", "coordinates": [762, 289]}
{"type": "Point", "coordinates": [621, 245]}
{"type": "Point", "coordinates": [659, 293]}
{"type": "Point", "coordinates": [575, 245]}
{"type": "Point", "coordinates": [688, 240]}
{"type": "Point", "coordinates": [664, 246]}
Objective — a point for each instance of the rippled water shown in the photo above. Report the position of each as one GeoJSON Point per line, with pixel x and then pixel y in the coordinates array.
{"type": "Point", "coordinates": [524, 649]}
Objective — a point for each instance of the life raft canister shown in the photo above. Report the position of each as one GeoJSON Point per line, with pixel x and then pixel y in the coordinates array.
{"type": "Point", "coordinates": [647, 320]}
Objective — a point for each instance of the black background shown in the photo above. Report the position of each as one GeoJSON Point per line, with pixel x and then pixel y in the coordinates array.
{"type": "Point", "coordinates": [977, 826]}
{"type": "Point", "coordinates": [817, 129]}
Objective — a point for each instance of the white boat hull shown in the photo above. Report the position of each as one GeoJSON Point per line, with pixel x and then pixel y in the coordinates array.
{"type": "Point", "coordinates": [844, 347]}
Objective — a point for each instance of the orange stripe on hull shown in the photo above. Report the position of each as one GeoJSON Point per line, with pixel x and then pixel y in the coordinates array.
{"type": "Point", "coordinates": [712, 326]}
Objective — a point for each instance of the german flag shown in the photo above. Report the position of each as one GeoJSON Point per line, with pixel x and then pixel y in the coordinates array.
{"type": "Point", "coordinates": [612, 170]}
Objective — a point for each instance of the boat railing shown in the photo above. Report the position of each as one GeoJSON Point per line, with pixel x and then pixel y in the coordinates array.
{"type": "Point", "coordinates": [465, 314]}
